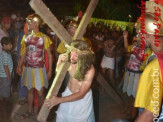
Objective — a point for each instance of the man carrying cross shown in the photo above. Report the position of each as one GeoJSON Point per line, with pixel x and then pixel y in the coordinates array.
{"type": "Point", "coordinates": [40, 8]}
{"type": "Point", "coordinates": [76, 103]}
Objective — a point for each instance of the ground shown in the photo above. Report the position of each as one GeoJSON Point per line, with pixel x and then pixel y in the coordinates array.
{"type": "Point", "coordinates": [105, 107]}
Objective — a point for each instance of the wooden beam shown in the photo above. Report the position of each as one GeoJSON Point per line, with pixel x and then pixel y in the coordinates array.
{"type": "Point", "coordinates": [109, 90]}
{"type": "Point", "coordinates": [85, 20]}
{"type": "Point", "coordinates": [57, 80]}
{"type": "Point", "coordinates": [40, 8]}
{"type": "Point", "coordinates": [43, 11]}
{"type": "Point", "coordinates": [44, 112]}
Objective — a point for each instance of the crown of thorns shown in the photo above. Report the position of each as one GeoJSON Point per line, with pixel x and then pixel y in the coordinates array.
{"type": "Point", "coordinates": [71, 48]}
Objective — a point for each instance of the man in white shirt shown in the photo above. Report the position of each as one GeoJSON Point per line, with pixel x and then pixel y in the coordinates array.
{"type": "Point", "coordinates": [5, 26]}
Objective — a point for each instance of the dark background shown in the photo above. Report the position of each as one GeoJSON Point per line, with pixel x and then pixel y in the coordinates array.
{"type": "Point", "coordinates": [106, 9]}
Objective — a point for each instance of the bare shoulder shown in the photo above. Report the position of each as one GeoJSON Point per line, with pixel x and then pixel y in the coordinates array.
{"type": "Point", "coordinates": [90, 74]}
{"type": "Point", "coordinates": [91, 70]}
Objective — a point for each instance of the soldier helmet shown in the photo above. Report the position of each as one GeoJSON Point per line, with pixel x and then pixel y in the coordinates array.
{"type": "Point", "coordinates": [35, 18]}
{"type": "Point", "coordinates": [152, 24]}
{"type": "Point", "coordinates": [73, 23]}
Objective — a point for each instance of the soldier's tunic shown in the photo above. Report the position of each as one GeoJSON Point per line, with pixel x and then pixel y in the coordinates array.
{"type": "Point", "coordinates": [34, 72]}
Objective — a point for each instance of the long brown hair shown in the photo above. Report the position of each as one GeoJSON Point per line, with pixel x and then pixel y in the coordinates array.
{"type": "Point", "coordinates": [84, 61]}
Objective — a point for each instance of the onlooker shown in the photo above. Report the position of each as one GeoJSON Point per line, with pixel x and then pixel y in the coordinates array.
{"type": "Point", "coordinates": [135, 66]}
{"type": "Point", "coordinates": [107, 63]}
{"type": "Point", "coordinates": [5, 26]}
{"type": "Point", "coordinates": [6, 67]}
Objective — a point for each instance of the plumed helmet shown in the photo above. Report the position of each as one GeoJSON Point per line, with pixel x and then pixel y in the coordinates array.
{"type": "Point", "coordinates": [28, 20]}
{"type": "Point", "coordinates": [35, 18]}
{"type": "Point", "coordinates": [137, 24]}
{"type": "Point", "coordinates": [73, 23]}
{"type": "Point", "coordinates": [29, 17]}
{"type": "Point", "coordinates": [152, 24]}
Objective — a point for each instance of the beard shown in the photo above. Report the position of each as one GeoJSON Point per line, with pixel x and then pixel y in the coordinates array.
{"type": "Point", "coordinates": [73, 62]}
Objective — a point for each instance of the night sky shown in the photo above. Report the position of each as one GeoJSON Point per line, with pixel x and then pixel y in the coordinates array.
{"type": "Point", "coordinates": [106, 9]}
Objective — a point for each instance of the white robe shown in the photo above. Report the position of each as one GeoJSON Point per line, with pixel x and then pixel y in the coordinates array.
{"type": "Point", "coordinates": [76, 111]}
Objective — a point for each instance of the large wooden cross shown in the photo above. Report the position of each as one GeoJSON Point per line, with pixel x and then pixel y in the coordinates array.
{"type": "Point", "coordinates": [40, 8]}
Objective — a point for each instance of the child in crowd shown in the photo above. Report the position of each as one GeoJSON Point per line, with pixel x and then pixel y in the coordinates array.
{"type": "Point", "coordinates": [6, 67]}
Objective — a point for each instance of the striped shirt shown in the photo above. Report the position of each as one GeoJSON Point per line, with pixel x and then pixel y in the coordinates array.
{"type": "Point", "coordinates": [5, 59]}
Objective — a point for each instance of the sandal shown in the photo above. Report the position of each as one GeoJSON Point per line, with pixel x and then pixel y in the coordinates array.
{"type": "Point", "coordinates": [26, 115]}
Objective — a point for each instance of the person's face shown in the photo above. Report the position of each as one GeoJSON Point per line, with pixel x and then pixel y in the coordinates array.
{"type": "Point", "coordinates": [115, 34]}
{"type": "Point", "coordinates": [149, 39]}
{"type": "Point", "coordinates": [109, 43]}
{"type": "Point", "coordinates": [48, 30]}
{"type": "Point", "coordinates": [72, 30]}
{"type": "Point", "coordinates": [137, 39]}
{"type": "Point", "coordinates": [32, 25]}
{"type": "Point", "coordinates": [8, 46]}
{"type": "Point", "coordinates": [7, 25]}
{"type": "Point", "coordinates": [73, 57]}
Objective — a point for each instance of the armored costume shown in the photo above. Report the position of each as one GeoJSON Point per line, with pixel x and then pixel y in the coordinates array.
{"type": "Point", "coordinates": [134, 69]}
{"type": "Point", "coordinates": [136, 64]}
{"type": "Point", "coordinates": [34, 73]}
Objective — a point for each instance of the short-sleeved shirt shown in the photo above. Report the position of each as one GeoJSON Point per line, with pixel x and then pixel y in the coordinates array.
{"type": "Point", "coordinates": [5, 59]}
{"type": "Point", "coordinates": [149, 93]}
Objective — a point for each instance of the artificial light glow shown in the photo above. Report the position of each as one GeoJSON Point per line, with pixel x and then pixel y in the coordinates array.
{"type": "Point", "coordinates": [152, 26]}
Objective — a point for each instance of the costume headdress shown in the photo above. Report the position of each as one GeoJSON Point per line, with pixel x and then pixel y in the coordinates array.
{"type": "Point", "coordinates": [71, 48]}
{"type": "Point", "coordinates": [152, 24]}
{"type": "Point", "coordinates": [73, 23]}
{"type": "Point", "coordinates": [35, 18]}
{"type": "Point", "coordinates": [28, 20]}
{"type": "Point", "coordinates": [137, 24]}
